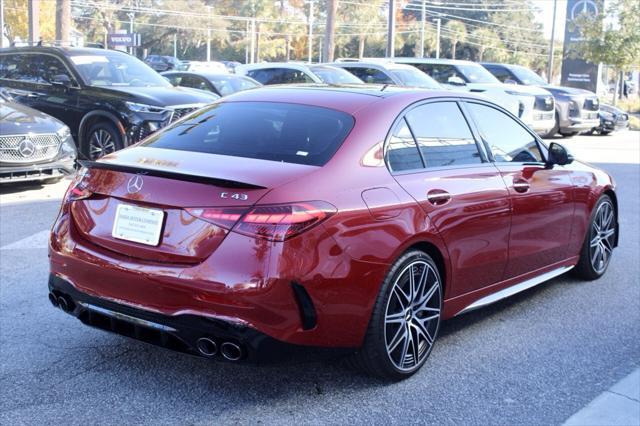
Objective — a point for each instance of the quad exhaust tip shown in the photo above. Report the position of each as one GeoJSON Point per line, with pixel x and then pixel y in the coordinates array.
{"type": "Point", "coordinates": [206, 346]}
{"type": "Point", "coordinates": [231, 351]}
{"type": "Point", "coordinates": [65, 303]}
{"type": "Point", "coordinates": [53, 299]}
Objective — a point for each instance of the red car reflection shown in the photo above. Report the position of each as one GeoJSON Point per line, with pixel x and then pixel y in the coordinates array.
{"type": "Point", "coordinates": [331, 217]}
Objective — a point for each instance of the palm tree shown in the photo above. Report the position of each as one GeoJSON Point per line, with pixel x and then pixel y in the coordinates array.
{"type": "Point", "coordinates": [457, 34]}
{"type": "Point", "coordinates": [486, 40]}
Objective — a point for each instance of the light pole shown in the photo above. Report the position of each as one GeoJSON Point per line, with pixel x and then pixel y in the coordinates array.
{"type": "Point", "coordinates": [208, 33]}
{"type": "Point", "coordinates": [131, 16]}
{"type": "Point", "coordinates": [391, 29]}
{"type": "Point", "coordinates": [553, 35]}
{"type": "Point", "coordinates": [1, 24]}
{"type": "Point", "coordinates": [424, 15]}
{"type": "Point", "coordinates": [438, 21]}
{"type": "Point", "coordinates": [310, 37]}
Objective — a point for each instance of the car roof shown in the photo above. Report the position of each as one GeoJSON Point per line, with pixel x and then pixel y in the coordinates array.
{"type": "Point", "coordinates": [345, 98]}
{"type": "Point", "coordinates": [65, 51]}
{"type": "Point", "coordinates": [407, 60]}
{"type": "Point", "coordinates": [264, 65]}
{"type": "Point", "coordinates": [382, 64]}
{"type": "Point", "coordinates": [206, 74]}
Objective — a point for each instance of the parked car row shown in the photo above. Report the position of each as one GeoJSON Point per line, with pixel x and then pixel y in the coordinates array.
{"type": "Point", "coordinates": [110, 100]}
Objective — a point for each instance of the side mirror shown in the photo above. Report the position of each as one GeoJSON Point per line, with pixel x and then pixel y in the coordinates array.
{"type": "Point", "coordinates": [61, 80]}
{"type": "Point", "coordinates": [456, 81]}
{"type": "Point", "coordinates": [559, 155]}
{"type": "Point", "coordinates": [510, 81]}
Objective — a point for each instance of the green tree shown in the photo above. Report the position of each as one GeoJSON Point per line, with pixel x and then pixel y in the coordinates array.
{"type": "Point", "coordinates": [486, 40]}
{"type": "Point", "coordinates": [457, 33]}
{"type": "Point", "coordinates": [612, 37]}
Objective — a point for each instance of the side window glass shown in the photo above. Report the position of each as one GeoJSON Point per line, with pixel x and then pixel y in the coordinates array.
{"type": "Point", "coordinates": [500, 73]}
{"type": "Point", "coordinates": [377, 76]}
{"type": "Point", "coordinates": [50, 67]}
{"type": "Point", "coordinates": [175, 80]}
{"type": "Point", "coordinates": [443, 135]}
{"type": "Point", "coordinates": [263, 76]}
{"type": "Point", "coordinates": [20, 67]}
{"type": "Point", "coordinates": [402, 152]}
{"type": "Point", "coordinates": [361, 73]}
{"type": "Point", "coordinates": [507, 139]}
{"type": "Point", "coordinates": [294, 76]}
{"type": "Point", "coordinates": [193, 82]}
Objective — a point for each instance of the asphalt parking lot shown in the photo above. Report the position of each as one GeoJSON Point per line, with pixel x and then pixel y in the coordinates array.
{"type": "Point", "coordinates": [535, 358]}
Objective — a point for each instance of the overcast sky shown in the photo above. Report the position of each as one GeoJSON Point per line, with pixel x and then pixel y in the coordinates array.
{"type": "Point", "coordinates": [545, 16]}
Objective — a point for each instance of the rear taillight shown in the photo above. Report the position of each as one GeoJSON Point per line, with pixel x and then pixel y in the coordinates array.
{"type": "Point", "coordinates": [78, 188]}
{"type": "Point", "coordinates": [224, 217]}
{"type": "Point", "coordinates": [276, 222]}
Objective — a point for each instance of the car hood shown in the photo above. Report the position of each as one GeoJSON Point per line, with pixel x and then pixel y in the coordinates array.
{"type": "Point", "coordinates": [564, 90]}
{"type": "Point", "coordinates": [162, 96]}
{"type": "Point", "coordinates": [17, 119]}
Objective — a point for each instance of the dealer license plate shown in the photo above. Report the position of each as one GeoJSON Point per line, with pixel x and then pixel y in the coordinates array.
{"type": "Point", "coordinates": [138, 224]}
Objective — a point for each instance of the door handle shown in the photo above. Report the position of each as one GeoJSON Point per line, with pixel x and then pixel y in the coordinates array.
{"type": "Point", "coordinates": [438, 197]}
{"type": "Point", "coordinates": [521, 185]}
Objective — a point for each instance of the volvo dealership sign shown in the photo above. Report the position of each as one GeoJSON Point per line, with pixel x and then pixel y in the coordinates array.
{"type": "Point", "coordinates": [123, 40]}
{"type": "Point", "coordinates": [576, 72]}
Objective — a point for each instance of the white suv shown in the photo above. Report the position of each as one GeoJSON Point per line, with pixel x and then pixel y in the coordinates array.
{"type": "Point", "coordinates": [535, 106]}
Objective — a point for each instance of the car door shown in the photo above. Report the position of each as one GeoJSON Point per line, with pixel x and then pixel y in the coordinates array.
{"type": "Point", "coordinates": [541, 197]}
{"type": "Point", "coordinates": [434, 156]}
{"type": "Point", "coordinates": [35, 86]}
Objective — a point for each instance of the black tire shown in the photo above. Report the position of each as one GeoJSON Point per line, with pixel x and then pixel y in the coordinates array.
{"type": "Point", "coordinates": [556, 127]}
{"type": "Point", "coordinates": [415, 322]}
{"type": "Point", "coordinates": [568, 134]}
{"type": "Point", "coordinates": [605, 132]}
{"type": "Point", "coordinates": [587, 268]}
{"type": "Point", "coordinates": [101, 133]}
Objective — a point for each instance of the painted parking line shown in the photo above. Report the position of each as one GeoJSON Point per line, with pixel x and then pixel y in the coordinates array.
{"type": "Point", "coordinates": [39, 240]}
{"type": "Point", "coordinates": [619, 406]}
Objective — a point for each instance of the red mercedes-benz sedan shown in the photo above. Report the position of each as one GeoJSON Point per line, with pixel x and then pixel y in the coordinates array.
{"type": "Point", "coordinates": [333, 217]}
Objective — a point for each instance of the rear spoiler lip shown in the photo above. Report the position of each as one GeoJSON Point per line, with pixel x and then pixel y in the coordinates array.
{"type": "Point", "coordinates": [227, 183]}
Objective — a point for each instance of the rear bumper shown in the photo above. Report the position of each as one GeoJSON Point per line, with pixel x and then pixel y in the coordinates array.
{"type": "Point", "coordinates": [180, 332]}
{"type": "Point", "coordinates": [304, 291]}
{"type": "Point", "coordinates": [35, 172]}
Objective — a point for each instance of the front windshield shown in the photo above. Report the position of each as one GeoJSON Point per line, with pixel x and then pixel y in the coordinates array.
{"type": "Point", "coordinates": [117, 69]}
{"type": "Point", "coordinates": [477, 74]}
{"type": "Point", "coordinates": [413, 77]}
{"type": "Point", "coordinates": [332, 75]}
{"type": "Point", "coordinates": [527, 76]}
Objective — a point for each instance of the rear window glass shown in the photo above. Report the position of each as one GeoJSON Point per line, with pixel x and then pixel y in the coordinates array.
{"type": "Point", "coordinates": [263, 130]}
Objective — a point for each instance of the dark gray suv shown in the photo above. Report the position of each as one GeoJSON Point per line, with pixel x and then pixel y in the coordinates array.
{"type": "Point", "coordinates": [576, 109]}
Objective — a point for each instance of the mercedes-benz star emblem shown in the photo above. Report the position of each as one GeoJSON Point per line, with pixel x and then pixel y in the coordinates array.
{"type": "Point", "coordinates": [135, 184]}
{"type": "Point", "coordinates": [27, 148]}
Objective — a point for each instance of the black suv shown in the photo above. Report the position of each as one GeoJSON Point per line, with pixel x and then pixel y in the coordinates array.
{"type": "Point", "coordinates": [162, 63]}
{"type": "Point", "coordinates": [576, 109]}
{"type": "Point", "coordinates": [108, 99]}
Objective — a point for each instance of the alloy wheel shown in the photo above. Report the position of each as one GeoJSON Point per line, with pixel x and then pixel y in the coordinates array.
{"type": "Point", "coordinates": [100, 144]}
{"type": "Point", "coordinates": [412, 315]}
{"type": "Point", "coordinates": [601, 237]}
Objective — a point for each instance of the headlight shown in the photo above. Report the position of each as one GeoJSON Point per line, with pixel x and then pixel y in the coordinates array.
{"type": "Point", "coordinates": [64, 133]}
{"type": "Point", "coordinates": [145, 108]}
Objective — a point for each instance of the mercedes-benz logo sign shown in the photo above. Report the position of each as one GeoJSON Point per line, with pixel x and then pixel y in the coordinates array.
{"type": "Point", "coordinates": [27, 148]}
{"type": "Point", "coordinates": [135, 184]}
{"type": "Point", "coordinates": [587, 7]}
